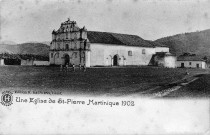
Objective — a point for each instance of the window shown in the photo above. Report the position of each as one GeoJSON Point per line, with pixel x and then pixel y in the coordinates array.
{"type": "Point", "coordinates": [66, 35]}
{"type": "Point", "coordinates": [67, 47]}
{"type": "Point", "coordinates": [56, 55]}
{"type": "Point", "coordinates": [75, 45]}
{"type": "Point", "coordinates": [190, 63]}
{"type": "Point", "coordinates": [58, 46]}
{"type": "Point", "coordinates": [51, 55]}
{"type": "Point", "coordinates": [143, 51]}
{"type": "Point", "coordinates": [85, 43]}
{"type": "Point", "coordinates": [129, 53]}
{"type": "Point", "coordinates": [75, 54]}
{"type": "Point", "coordinates": [75, 36]}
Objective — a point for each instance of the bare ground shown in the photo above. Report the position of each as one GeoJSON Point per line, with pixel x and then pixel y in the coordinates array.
{"type": "Point", "coordinates": [146, 81]}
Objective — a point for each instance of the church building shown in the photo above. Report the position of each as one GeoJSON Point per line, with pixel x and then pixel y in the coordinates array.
{"type": "Point", "coordinates": [74, 45]}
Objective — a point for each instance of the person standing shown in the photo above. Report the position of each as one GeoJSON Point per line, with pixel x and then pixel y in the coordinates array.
{"type": "Point", "coordinates": [84, 68]}
{"type": "Point", "coordinates": [80, 66]}
{"type": "Point", "coordinates": [67, 67]}
{"type": "Point", "coordinates": [61, 67]}
{"type": "Point", "coordinates": [73, 67]}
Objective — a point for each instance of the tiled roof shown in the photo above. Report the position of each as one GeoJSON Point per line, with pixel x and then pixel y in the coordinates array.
{"type": "Point", "coordinates": [118, 39]}
{"type": "Point", "coordinates": [156, 44]}
{"type": "Point", "coordinates": [190, 58]}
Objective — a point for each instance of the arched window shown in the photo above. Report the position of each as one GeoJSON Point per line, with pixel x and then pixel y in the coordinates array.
{"type": "Point", "coordinates": [56, 55]}
{"type": "Point", "coordinates": [58, 46]}
{"type": "Point", "coordinates": [75, 54]}
{"type": "Point", "coordinates": [75, 44]}
{"type": "Point", "coordinates": [75, 36]}
{"type": "Point", "coordinates": [67, 47]}
{"type": "Point", "coordinates": [143, 51]}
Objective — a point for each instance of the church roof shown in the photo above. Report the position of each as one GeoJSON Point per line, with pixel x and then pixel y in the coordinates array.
{"type": "Point", "coordinates": [117, 39]}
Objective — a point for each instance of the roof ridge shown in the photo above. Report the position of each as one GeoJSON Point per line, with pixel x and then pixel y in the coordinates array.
{"type": "Point", "coordinates": [117, 38]}
{"type": "Point", "coordinates": [114, 33]}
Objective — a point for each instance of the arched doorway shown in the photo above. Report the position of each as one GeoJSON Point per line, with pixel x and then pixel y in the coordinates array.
{"type": "Point", "coordinates": [56, 58]}
{"type": "Point", "coordinates": [66, 59]}
{"type": "Point", "coordinates": [115, 60]}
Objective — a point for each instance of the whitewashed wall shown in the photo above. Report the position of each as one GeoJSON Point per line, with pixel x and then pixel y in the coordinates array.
{"type": "Point", "coordinates": [170, 62]}
{"type": "Point", "coordinates": [27, 62]}
{"type": "Point", "coordinates": [41, 63]}
{"type": "Point", "coordinates": [101, 55]}
{"type": "Point", "coordinates": [202, 64]}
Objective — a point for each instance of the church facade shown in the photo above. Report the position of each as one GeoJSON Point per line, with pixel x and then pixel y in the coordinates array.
{"type": "Point", "coordinates": [73, 45]}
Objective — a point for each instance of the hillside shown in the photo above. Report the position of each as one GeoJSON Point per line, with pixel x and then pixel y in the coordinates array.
{"type": "Point", "coordinates": [33, 48]}
{"type": "Point", "coordinates": [25, 48]}
{"type": "Point", "coordinates": [194, 42]}
{"type": "Point", "coordinates": [4, 48]}
{"type": "Point", "coordinates": [7, 42]}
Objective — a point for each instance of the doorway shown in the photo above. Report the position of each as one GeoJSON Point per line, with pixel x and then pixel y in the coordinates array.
{"type": "Point", "coordinates": [182, 65]}
{"type": "Point", "coordinates": [115, 60]}
{"type": "Point", "coordinates": [66, 59]}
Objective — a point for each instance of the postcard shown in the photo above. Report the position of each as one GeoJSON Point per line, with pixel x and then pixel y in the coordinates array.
{"type": "Point", "coordinates": [105, 67]}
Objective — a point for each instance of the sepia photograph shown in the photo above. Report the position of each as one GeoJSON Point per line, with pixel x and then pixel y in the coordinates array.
{"type": "Point", "coordinates": [105, 67]}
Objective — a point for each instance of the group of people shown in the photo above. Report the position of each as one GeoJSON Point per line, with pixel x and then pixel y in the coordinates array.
{"type": "Point", "coordinates": [68, 67]}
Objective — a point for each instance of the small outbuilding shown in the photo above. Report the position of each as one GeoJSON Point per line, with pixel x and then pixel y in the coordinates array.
{"type": "Point", "coordinates": [191, 61]}
{"type": "Point", "coordinates": [164, 59]}
{"type": "Point", "coordinates": [29, 62]}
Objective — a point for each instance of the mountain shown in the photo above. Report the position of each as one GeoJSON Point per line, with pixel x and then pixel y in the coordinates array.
{"type": "Point", "coordinates": [33, 48]}
{"type": "Point", "coordinates": [7, 42]}
{"type": "Point", "coordinates": [46, 42]}
{"type": "Point", "coordinates": [26, 48]}
{"type": "Point", "coordinates": [194, 42]}
{"type": "Point", "coordinates": [8, 49]}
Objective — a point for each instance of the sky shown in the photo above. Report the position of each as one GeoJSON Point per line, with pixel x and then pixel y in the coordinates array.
{"type": "Point", "coordinates": [34, 20]}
